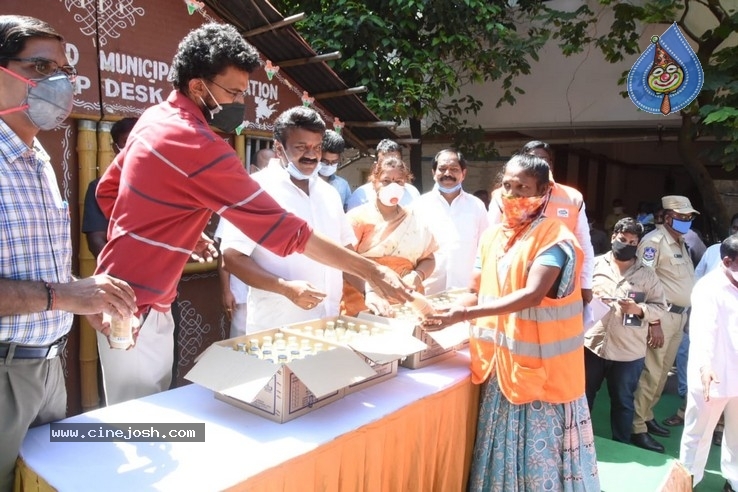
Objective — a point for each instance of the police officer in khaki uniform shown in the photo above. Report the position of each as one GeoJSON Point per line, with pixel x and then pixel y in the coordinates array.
{"type": "Point", "coordinates": [664, 250]}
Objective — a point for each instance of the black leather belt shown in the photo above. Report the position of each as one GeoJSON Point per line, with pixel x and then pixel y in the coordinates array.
{"type": "Point", "coordinates": [17, 351]}
{"type": "Point", "coordinates": [673, 308]}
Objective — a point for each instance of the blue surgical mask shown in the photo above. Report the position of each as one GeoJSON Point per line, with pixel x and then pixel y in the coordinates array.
{"type": "Point", "coordinates": [681, 226]}
{"type": "Point", "coordinates": [297, 174]}
{"type": "Point", "coordinates": [443, 189]}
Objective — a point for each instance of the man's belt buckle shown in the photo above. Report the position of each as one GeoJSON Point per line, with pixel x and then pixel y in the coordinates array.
{"type": "Point", "coordinates": [57, 348]}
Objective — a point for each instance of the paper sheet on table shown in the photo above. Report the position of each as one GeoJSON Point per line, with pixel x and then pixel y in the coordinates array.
{"type": "Point", "coordinates": [593, 312]}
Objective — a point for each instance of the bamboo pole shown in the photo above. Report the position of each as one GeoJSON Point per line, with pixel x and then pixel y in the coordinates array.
{"type": "Point", "coordinates": [239, 144]}
{"type": "Point", "coordinates": [87, 159]}
{"type": "Point", "coordinates": [105, 152]}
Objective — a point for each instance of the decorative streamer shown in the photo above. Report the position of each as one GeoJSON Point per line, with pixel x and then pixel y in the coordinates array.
{"type": "Point", "coordinates": [193, 6]}
{"type": "Point", "coordinates": [307, 101]}
{"type": "Point", "coordinates": [338, 125]}
{"type": "Point", "coordinates": [270, 69]}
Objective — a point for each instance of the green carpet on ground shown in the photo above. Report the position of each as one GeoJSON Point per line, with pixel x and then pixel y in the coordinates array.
{"type": "Point", "coordinates": [614, 474]}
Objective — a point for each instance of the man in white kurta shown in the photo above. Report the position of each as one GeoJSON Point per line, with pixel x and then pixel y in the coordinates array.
{"type": "Point", "coordinates": [712, 368]}
{"type": "Point", "coordinates": [457, 220]}
{"type": "Point", "coordinates": [323, 210]}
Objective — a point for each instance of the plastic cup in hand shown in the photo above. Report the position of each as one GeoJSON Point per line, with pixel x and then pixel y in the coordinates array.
{"type": "Point", "coordinates": [121, 331]}
{"type": "Point", "coordinates": [421, 305]}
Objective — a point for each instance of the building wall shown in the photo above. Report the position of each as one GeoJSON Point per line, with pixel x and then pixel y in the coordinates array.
{"type": "Point", "coordinates": [566, 98]}
{"type": "Point", "coordinates": [576, 91]}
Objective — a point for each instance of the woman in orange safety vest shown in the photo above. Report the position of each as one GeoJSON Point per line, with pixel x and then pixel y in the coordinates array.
{"type": "Point", "coordinates": [534, 431]}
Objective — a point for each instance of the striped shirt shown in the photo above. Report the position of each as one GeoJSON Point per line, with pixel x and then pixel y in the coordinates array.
{"type": "Point", "coordinates": [35, 238]}
{"type": "Point", "coordinates": [160, 192]}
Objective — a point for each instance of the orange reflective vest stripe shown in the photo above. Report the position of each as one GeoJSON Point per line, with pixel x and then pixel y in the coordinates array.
{"type": "Point", "coordinates": [537, 353]}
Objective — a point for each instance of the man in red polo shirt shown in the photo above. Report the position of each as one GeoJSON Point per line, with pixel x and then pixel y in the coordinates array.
{"type": "Point", "coordinates": [161, 189]}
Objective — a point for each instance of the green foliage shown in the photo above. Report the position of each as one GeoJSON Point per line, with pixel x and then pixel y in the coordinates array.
{"type": "Point", "coordinates": [414, 54]}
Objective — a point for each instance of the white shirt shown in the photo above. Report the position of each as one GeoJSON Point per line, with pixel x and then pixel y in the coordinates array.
{"type": "Point", "coordinates": [713, 330]}
{"type": "Point", "coordinates": [581, 232]}
{"type": "Point", "coordinates": [323, 210]}
{"type": "Point", "coordinates": [365, 192]}
{"type": "Point", "coordinates": [457, 228]}
{"type": "Point", "coordinates": [239, 289]}
{"type": "Point", "coordinates": [709, 261]}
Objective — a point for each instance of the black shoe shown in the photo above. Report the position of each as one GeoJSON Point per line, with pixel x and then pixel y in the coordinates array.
{"type": "Point", "coordinates": [727, 487]}
{"type": "Point", "coordinates": [717, 438]}
{"type": "Point", "coordinates": [645, 441]}
{"type": "Point", "coordinates": [655, 429]}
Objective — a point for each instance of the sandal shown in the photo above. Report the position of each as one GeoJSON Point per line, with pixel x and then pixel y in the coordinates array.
{"type": "Point", "coordinates": [674, 421]}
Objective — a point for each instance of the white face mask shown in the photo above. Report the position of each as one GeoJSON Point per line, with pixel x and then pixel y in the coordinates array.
{"type": "Point", "coordinates": [391, 194]}
{"type": "Point", "coordinates": [327, 169]}
{"type": "Point", "coordinates": [733, 274]}
{"type": "Point", "coordinates": [297, 174]}
{"type": "Point", "coordinates": [49, 100]}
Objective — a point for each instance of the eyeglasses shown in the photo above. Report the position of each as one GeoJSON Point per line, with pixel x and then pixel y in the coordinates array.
{"type": "Point", "coordinates": [46, 67]}
{"type": "Point", "coordinates": [236, 94]}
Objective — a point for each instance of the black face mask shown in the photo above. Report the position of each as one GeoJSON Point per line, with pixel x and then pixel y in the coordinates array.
{"type": "Point", "coordinates": [623, 251]}
{"type": "Point", "coordinates": [227, 118]}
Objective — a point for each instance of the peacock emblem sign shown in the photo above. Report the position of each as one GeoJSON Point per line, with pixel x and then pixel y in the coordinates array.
{"type": "Point", "coordinates": [667, 76]}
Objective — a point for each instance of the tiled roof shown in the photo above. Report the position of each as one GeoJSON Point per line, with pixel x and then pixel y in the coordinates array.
{"type": "Point", "coordinates": [285, 43]}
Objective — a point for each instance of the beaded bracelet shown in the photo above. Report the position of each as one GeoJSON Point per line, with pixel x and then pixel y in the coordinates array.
{"type": "Point", "coordinates": [50, 297]}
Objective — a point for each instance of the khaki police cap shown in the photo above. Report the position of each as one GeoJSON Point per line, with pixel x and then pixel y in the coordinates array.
{"type": "Point", "coordinates": [679, 204]}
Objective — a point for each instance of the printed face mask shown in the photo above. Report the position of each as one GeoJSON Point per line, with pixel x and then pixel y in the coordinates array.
{"type": "Point", "coordinates": [520, 210]}
{"type": "Point", "coordinates": [327, 169]}
{"type": "Point", "coordinates": [48, 101]}
{"type": "Point", "coordinates": [391, 194]}
{"type": "Point", "coordinates": [226, 117]}
{"type": "Point", "coordinates": [623, 251]}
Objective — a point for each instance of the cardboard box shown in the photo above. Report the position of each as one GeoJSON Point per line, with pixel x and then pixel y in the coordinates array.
{"type": "Point", "coordinates": [383, 372]}
{"type": "Point", "coordinates": [442, 344]}
{"type": "Point", "coordinates": [278, 392]}
{"type": "Point", "coordinates": [381, 352]}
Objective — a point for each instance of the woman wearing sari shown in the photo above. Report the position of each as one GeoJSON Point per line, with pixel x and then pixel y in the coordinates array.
{"type": "Point", "coordinates": [534, 430]}
{"type": "Point", "coordinates": [391, 235]}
